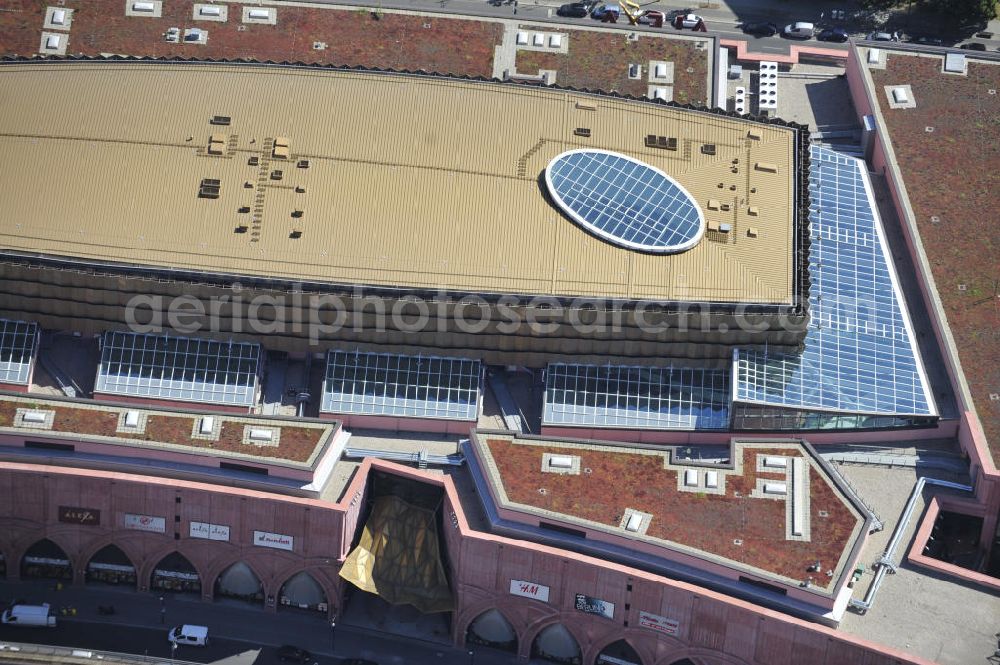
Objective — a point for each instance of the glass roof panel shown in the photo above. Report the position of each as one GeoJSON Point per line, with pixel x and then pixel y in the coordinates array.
{"type": "Point", "coordinates": [860, 355]}
{"type": "Point", "coordinates": [624, 201]}
{"type": "Point", "coordinates": [636, 397]}
{"type": "Point", "coordinates": [17, 350]}
{"type": "Point", "coordinates": [384, 384]}
{"type": "Point", "coordinates": [178, 368]}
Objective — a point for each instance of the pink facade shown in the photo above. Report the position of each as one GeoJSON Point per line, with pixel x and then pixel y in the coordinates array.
{"type": "Point", "coordinates": [171, 403]}
{"type": "Point", "coordinates": [711, 628]}
{"type": "Point", "coordinates": [396, 424]}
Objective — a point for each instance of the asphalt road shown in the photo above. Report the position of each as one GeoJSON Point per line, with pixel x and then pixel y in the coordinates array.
{"type": "Point", "coordinates": [141, 641]}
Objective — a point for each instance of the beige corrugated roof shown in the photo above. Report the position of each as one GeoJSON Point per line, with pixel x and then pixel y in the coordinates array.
{"type": "Point", "coordinates": [411, 182]}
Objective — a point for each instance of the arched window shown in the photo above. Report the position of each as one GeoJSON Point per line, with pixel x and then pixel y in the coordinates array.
{"type": "Point", "coordinates": [492, 629]}
{"type": "Point", "coordinates": [557, 645]}
{"type": "Point", "coordinates": [302, 591]}
{"type": "Point", "coordinates": [110, 565]}
{"type": "Point", "coordinates": [46, 560]}
{"type": "Point", "coordinates": [175, 573]}
{"type": "Point", "coordinates": [239, 582]}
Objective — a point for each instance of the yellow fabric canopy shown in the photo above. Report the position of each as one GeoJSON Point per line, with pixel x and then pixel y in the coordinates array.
{"type": "Point", "coordinates": [398, 557]}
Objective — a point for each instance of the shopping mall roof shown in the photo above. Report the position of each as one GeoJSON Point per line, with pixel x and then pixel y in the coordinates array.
{"type": "Point", "coordinates": [360, 178]}
{"type": "Point", "coordinates": [772, 511]}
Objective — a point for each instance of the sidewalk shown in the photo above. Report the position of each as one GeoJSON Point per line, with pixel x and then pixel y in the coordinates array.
{"type": "Point", "coordinates": [236, 621]}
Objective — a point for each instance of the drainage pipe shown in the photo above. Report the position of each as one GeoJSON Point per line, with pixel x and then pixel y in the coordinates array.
{"type": "Point", "coordinates": [885, 564]}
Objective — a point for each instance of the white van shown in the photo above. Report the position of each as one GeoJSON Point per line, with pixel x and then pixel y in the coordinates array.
{"type": "Point", "coordinates": [195, 636]}
{"type": "Point", "coordinates": [799, 30]}
{"type": "Point", "coordinates": [29, 615]}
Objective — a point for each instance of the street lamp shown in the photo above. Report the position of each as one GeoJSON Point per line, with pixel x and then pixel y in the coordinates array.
{"type": "Point", "coordinates": [472, 657]}
{"type": "Point", "coordinates": [333, 634]}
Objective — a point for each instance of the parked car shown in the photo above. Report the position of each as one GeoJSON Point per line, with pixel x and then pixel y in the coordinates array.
{"type": "Point", "coordinates": [833, 35]}
{"type": "Point", "coordinates": [189, 634]}
{"type": "Point", "coordinates": [689, 21]}
{"type": "Point", "coordinates": [601, 11]}
{"type": "Point", "coordinates": [800, 30]}
{"type": "Point", "coordinates": [974, 46]}
{"type": "Point", "coordinates": [294, 654]}
{"type": "Point", "coordinates": [653, 18]}
{"type": "Point", "coordinates": [879, 36]}
{"type": "Point", "coordinates": [674, 13]}
{"type": "Point", "coordinates": [573, 10]}
{"type": "Point", "coordinates": [928, 40]}
{"type": "Point", "coordinates": [760, 29]}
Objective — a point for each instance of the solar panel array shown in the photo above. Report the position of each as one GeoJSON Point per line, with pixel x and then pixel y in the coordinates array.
{"type": "Point", "coordinates": [387, 384]}
{"type": "Point", "coordinates": [178, 368]}
{"type": "Point", "coordinates": [624, 201]}
{"type": "Point", "coordinates": [636, 397]}
{"type": "Point", "coordinates": [859, 355]}
{"type": "Point", "coordinates": [17, 350]}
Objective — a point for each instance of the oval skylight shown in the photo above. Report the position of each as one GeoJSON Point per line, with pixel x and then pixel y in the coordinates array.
{"type": "Point", "coordinates": [624, 201]}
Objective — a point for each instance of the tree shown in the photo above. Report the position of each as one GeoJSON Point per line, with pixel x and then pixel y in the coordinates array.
{"type": "Point", "coordinates": [965, 12]}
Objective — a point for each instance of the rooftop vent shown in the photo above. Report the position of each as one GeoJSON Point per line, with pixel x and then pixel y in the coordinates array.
{"type": "Point", "coordinates": [260, 434]}
{"type": "Point", "coordinates": [582, 131]}
{"type": "Point", "coordinates": [210, 10]}
{"type": "Point", "coordinates": [660, 70]}
{"type": "Point", "coordinates": [207, 425]}
{"type": "Point", "coordinates": [776, 462]}
{"type": "Point", "coordinates": [295, 234]}
{"type": "Point", "coordinates": [538, 39]}
{"type": "Point", "coordinates": [662, 142]}
{"type": "Point", "coordinates": [303, 164]}
{"type": "Point", "coordinates": [555, 41]}
{"type": "Point", "coordinates": [242, 228]}
{"type": "Point", "coordinates": [711, 479]}
{"type": "Point", "coordinates": [132, 419]}
{"type": "Point", "coordinates": [899, 96]}
{"type": "Point", "coordinates": [522, 39]}
{"type": "Point", "coordinates": [259, 14]}
{"type": "Point", "coordinates": [633, 523]}
{"type": "Point", "coordinates": [58, 17]}
{"type": "Point", "coordinates": [708, 149]}
{"type": "Point", "coordinates": [143, 7]}
{"type": "Point", "coordinates": [277, 174]}
{"type": "Point", "coordinates": [585, 107]}
{"type": "Point", "coordinates": [691, 478]}
{"type": "Point", "coordinates": [775, 488]}
{"type": "Point", "coordinates": [209, 188]}
{"type": "Point", "coordinates": [874, 55]}
{"type": "Point", "coordinates": [253, 161]}
{"type": "Point", "coordinates": [220, 120]}
{"type": "Point", "coordinates": [52, 42]}
{"type": "Point", "coordinates": [561, 462]}
{"type": "Point", "coordinates": [954, 63]}
{"type": "Point", "coordinates": [33, 417]}
{"type": "Point", "coordinates": [767, 167]}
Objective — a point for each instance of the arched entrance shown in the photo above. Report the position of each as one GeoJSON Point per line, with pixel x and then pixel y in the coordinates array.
{"type": "Point", "coordinates": [46, 560]}
{"type": "Point", "coordinates": [492, 629]}
{"type": "Point", "coordinates": [241, 583]}
{"type": "Point", "coordinates": [110, 565]}
{"type": "Point", "coordinates": [175, 573]}
{"type": "Point", "coordinates": [302, 591]}
{"type": "Point", "coordinates": [557, 645]}
{"type": "Point", "coordinates": [618, 653]}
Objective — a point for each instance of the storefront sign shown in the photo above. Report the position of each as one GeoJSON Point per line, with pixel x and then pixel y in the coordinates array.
{"type": "Point", "coordinates": [529, 590]}
{"type": "Point", "coordinates": [275, 540]}
{"type": "Point", "coordinates": [145, 523]}
{"type": "Point", "coordinates": [74, 515]}
{"type": "Point", "coordinates": [658, 623]}
{"type": "Point", "coordinates": [612, 660]}
{"type": "Point", "coordinates": [595, 606]}
{"type": "Point", "coordinates": [209, 531]}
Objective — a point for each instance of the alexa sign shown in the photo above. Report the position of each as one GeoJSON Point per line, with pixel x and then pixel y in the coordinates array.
{"type": "Point", "coordinates": [273, 540]}
{"type": "Point", "coordinates": [209, 531]}
{"type": "Point", "coordinates": [145, 523]}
